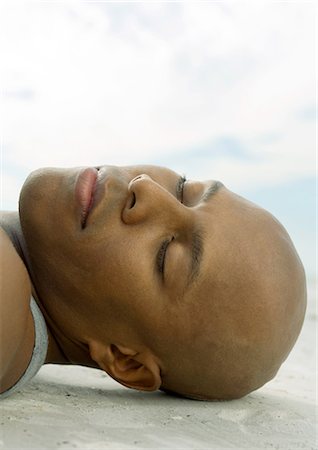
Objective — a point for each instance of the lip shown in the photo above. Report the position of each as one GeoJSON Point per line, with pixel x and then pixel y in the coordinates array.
{"type": "Point", "coordinates": [84, 191]}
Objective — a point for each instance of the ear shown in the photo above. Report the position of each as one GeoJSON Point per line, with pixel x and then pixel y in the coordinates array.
{"type": "Point", "coordinates": [136, 370]}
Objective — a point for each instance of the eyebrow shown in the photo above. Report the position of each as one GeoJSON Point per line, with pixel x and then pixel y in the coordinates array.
{"type": "Point", "coordinates": [213, 189]}
{"type": "Point", "coordinates": [197, 238]}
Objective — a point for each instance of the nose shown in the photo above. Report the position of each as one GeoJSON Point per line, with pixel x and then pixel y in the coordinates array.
{"type": "Point", "coordinates": [147, 201]}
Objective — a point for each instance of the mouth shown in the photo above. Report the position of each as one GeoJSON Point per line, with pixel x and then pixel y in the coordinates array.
{"type": "Point", "coordinates": [84, 191]}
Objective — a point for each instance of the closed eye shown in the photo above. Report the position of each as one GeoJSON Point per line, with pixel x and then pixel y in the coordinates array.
{"type": "Point", "coordinates": [161, 255]}
{"type": "Point", "coordinates": [180, 187]}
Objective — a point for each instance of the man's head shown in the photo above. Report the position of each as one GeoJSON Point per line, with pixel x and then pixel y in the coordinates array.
{"type": "Point", "coordinates": [190, 288]}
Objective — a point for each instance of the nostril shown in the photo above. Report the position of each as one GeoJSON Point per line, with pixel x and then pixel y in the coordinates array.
{"type": "Point", "coordinates": [133, 200]}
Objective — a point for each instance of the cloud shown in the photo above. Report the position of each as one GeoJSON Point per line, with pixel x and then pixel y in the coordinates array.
{"type": "Point", "coordinates": [307, 113]}
{"type": "Point", "coordinates": [207, 87]}
{"type": "Point", "coordinates": [19, 94]}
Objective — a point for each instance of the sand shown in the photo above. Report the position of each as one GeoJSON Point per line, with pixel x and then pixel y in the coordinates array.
{"type": "Point", "coordinates": [75, 407]}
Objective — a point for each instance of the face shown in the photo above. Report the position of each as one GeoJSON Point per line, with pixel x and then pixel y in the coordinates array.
{"type": "Point", "coordinates": [157, 255]}
{"type": "Point", "coordinates": [144, 248]}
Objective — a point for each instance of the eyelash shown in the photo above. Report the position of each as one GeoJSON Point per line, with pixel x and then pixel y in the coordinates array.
{"type": "Point", "coordinates": [180, 187]}
{"type": "Point", "coordinates": [162, 251]}
{"type": "Point", "coordinates": [161, 254]}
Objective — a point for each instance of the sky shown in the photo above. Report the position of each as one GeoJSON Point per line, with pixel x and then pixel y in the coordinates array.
{"type": "Point", "coordinates": [215, 90]}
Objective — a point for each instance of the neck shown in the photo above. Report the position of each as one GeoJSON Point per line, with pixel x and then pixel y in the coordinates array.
{"type": "Point", "coordinates": [61, 350]}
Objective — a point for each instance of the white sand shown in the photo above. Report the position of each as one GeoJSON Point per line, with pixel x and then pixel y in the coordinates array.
{"type": "Point", "coordinates": [76, 407]}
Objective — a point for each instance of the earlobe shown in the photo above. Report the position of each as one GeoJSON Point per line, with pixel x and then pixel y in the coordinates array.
{"type": "Point", "coordinates": [137, 370]}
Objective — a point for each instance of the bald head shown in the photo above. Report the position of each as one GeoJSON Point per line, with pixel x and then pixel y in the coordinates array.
{"type": "Point", "coordinates": [125, 278]}
{"type": "Point", "coordinates": [248, 312]}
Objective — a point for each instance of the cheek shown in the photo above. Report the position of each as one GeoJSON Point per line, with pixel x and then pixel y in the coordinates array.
{"type": "Point", "coordinates": [112, 265]}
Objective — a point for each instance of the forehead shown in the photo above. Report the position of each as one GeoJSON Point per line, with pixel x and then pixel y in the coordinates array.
{"type": "Point", "coordinates": [245, 274]}
{"type": "Point", "coordinates": [237, 238]}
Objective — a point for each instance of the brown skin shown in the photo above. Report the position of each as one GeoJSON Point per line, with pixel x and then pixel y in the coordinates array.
{"type": "Point", "coordinates": [107, 305]}
{"type": "Point", "coordinates": [16, 322]}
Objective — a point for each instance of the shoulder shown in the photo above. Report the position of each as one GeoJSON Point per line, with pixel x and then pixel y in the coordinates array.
{"type": "Point", "coordinates": [16, 322]}
{"type": "Point", "coordinates": [14, 277]}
